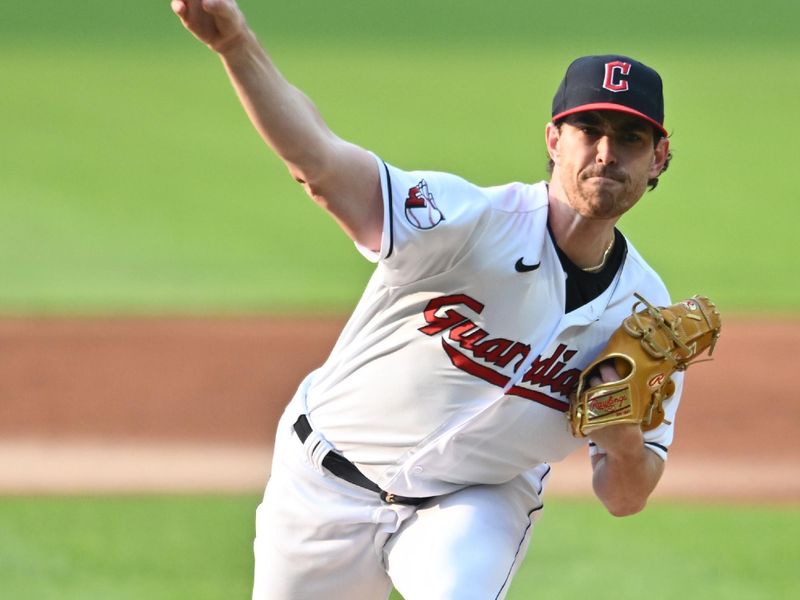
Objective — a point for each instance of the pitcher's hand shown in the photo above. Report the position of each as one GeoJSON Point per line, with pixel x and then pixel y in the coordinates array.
{"type": "Point", "coordinates": [217, 23]}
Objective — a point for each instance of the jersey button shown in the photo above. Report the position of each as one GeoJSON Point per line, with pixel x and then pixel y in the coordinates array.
{"type": "Point", "coordinates": [418, 469]}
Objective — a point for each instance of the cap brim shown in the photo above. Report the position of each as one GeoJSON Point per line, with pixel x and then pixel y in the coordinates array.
{"type": "Point", "coordinates": [610, 106]}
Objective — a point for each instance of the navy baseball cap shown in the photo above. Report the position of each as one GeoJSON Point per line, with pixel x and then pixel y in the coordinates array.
{"type": "Point", "coordinates": [611, 82]}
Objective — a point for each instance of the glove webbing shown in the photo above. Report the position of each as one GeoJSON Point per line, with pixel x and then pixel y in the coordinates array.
{"type": "Point", "coordinates": [650, 345]}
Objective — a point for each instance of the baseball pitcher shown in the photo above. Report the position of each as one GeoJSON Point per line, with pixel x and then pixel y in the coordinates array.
{"type": "Point", "coordinates": [503, 328]}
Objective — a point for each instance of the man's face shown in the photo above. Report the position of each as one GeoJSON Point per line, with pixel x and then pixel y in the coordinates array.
{"type": "Point", "coordinates": [603, 160]}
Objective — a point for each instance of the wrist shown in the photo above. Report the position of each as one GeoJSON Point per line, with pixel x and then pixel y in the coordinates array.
{"type": "Point", "coordinates": [625, 454]}
{"type": "Point", "coordinates": [619, 441]}
{"type": "Point", "coordinates": [235, 46]}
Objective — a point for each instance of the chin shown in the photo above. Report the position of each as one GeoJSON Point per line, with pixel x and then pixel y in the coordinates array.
{"type": "Point", "coordinates": [599, 206]}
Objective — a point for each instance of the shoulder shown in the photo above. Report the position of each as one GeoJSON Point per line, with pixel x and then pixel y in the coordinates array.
{"type": "Point", "coordinates": [428, 198]}
{"type": "Point", "coordinates": [515, 197]}
{"type": "Point", "coordinates": [518, 197]}
{"type": "Point", "coordinates": [438, 181]}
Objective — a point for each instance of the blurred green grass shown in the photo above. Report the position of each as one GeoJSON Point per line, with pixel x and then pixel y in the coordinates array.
{"type": "Point", "coordinates": [126, 548]}
{"type": "Point", "coordinates": [176, 547]}
{"type": "Point", "coordinates": [130, 180]}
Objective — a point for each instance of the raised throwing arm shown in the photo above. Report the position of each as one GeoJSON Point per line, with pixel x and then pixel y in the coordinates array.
{"type": "Point", "coordinates": [341, 177]}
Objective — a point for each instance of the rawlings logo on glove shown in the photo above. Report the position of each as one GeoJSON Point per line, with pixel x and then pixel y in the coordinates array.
{"type": "Point", "coordinates": [645, 351]}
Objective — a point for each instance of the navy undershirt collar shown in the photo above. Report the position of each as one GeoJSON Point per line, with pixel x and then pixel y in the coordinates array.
{"type": "Point", "coordinates": [583, 287]}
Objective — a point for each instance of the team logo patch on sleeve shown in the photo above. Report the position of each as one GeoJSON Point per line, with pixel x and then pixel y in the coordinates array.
{"type": "Point", "coordinates": [421, 210]}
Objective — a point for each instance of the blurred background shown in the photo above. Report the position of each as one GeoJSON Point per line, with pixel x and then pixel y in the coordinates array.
{"type": "Point", "coordinates": [164, 283]}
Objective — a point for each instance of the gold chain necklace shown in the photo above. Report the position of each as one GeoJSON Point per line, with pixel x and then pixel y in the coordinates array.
{"type": "Point", "coordinates": [602, 264]}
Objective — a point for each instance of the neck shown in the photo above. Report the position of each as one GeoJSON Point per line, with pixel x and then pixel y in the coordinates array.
{"type": "Point", "coordinates": [587, 242]}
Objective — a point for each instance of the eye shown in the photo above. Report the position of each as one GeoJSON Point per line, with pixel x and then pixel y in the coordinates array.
{"type": "Point", "coordinates": [632, 137]}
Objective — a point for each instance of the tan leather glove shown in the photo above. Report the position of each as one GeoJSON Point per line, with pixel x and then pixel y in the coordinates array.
{"type": "Point", "coordinates": [646, 350]}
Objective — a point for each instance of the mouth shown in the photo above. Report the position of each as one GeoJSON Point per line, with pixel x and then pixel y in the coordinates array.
{"type": "Point", "coordinates": [604, 178]}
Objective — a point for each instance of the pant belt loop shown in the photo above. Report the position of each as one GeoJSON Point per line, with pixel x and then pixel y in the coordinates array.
{"type": "Point", "coordinates": [316, 448]}
{"type": "Point", "coordinates": [321, 455]}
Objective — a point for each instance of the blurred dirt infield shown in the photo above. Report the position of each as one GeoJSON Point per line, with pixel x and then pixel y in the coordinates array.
{"type": "Point", "coordinates": [189, 404]}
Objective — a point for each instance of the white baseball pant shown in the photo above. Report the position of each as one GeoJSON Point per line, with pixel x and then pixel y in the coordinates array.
{"type": "Point", "coordinates": [318, 536]}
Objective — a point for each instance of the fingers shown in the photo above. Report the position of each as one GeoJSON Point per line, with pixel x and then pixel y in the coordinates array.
{"type": "Point", "coordinates": [214, 6]}
{"type": "Point", "coordinates": [188, 12]}
{"type": "Point", "coordinates": [222, 9]}
{"type": "Point", "coordinates": [604, 372]}
{"type": "Point", "coordinates": [178, 7]}
{"type": "Point", "coordinates": [217, 23]}
{"type": "Point", "coordinates": [594, 381]}
{"type": "Point", "coordinates": [225, 12]}
{"type": "Point", "coordinates": [608, 372]}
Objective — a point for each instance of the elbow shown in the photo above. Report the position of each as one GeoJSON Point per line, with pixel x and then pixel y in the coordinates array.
{"type": "Point", "coordinates": [626, 507]}
{"type": "Point", "coordinates": [307, 175]}
{"type": "Point", "coordinates": [314, 165]}
{"type": "Point", "coordinates": [315, 175]}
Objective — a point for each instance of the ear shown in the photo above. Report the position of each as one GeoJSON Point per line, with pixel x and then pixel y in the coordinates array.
{"type": "Point", "coordinates": [551, 137]}
{"type": "Point", "coordinates": [659, 157]}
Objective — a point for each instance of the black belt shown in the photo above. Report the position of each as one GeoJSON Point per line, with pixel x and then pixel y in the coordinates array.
{"type": "Point", "coordinates": [344, 469]}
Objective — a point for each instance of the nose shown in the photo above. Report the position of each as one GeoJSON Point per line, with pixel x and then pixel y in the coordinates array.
{"type": "Point", "coordinates": [605, 151]}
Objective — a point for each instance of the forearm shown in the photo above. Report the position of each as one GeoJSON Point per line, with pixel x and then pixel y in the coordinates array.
{"type": "Point", "coordinates": [626, 472]}
{"type": "Point", "coordinates": [340, 176]}
{"type": "Point", "coordinates": [286, 119]}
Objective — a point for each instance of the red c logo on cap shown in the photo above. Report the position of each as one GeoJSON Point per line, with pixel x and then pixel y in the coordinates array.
{"type": "Point", "coordinates": [613, 81]}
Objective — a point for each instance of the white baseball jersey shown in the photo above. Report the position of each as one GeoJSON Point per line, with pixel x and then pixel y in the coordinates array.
{"type": "Point", "coordinates": [455, 366]}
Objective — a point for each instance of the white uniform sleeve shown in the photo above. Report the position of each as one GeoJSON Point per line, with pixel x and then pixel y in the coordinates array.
{"type": "Point", "coordinates": [430, 222]}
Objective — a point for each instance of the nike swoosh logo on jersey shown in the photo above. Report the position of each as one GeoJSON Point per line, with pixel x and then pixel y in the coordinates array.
{"type": "Point", "coordinates": [521, 267]}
